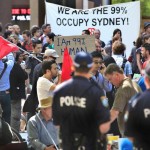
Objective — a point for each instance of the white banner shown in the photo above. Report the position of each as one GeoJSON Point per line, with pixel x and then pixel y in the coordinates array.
{"type": "Point", "coordinates": [125, 16]}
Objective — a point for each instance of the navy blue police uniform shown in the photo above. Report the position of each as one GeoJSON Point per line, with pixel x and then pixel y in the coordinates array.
{"type": "Point", "coordinates": [138, 120]}
{"type": "Point", "coordinates": [78, 110]}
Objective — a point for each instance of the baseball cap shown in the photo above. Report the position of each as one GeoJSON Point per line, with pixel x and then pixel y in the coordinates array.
{"type": "Point", "coordinates": [51, 52]}
{"type": "Point", "coordinates": [146, 24]}
{"type": "Point", "coordinates": [83, 59]}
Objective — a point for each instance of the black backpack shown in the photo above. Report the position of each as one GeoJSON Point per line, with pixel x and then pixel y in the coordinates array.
{"type": "Point", "coordinates": [5, 132]}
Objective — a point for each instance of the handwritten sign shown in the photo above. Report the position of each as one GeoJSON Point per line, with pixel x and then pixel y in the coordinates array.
{"type": "Point", "coordinates": [74, 44]}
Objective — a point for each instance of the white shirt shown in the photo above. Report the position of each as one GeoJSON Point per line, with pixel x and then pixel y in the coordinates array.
{"type": "Point", "coordinates": [118, 59]}
{"type": "Point", "coordinates": [43, 88]}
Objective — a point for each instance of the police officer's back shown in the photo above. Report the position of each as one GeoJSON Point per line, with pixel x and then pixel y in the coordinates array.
{"type": "Point", "coordinates": [138, 116]}
{"type": "Point", "coordinates": [77, 107]}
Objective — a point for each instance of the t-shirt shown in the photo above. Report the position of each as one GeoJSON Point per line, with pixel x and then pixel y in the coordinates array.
{"type": "Point", "coordinates": [43, 88]}
{"type": "Point", "coordinates": [47, 46]}
{"type": "Point", "coordinates": [77, 108]}
{"type": "Point", "coordinates": [121, 62]}
{"type": "Point", "coordinates": [138, 120]}
{"type": "Point", "coordinates": [145, 64]}
{"type": "Point", "coordinates": [126, 90]}
{"type": "Point", "coordinates": [27, 46]}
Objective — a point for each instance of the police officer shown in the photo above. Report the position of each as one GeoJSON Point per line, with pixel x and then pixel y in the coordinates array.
{"type": "Point", "coordinates": [138, 116]}
{"type": "Point", "coordinates": [77, 107]}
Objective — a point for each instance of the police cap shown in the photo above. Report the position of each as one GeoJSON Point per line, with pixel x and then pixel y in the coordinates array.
{"type": "Point", "coordinates": [83, 59]}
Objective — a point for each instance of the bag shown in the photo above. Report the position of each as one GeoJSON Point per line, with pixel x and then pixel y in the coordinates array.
{"type": "Point", "coordinates": [5, 133]}
{"type": "Point", "coordinates": [30, 104]}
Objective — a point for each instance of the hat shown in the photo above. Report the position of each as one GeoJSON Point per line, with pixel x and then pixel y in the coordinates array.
{"type": "Point", "coordinates": [51, 52]}
{"type": "Point", "coordinates": [44, 103]}
{"type": "Point", "coordinates": [146, 24]}
{"type": "Point", "coordinates": [83, 59]}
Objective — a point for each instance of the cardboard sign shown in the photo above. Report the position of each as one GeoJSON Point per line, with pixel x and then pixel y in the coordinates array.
{"type": "Point", "coordinates": [74, 44]}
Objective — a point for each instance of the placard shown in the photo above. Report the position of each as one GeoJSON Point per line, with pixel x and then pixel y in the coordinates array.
{"type": "Point", "coordinates": [74, 44]}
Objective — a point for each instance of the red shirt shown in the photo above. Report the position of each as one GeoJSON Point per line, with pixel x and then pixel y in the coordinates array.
{"type": "Point", "coordinates": [27, 46]}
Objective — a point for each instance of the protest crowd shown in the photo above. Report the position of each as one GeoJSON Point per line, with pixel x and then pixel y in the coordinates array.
{"type": "Point", "coordinates": [79, 103]}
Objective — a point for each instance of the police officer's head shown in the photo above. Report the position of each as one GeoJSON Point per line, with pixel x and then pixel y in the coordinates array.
{"type": "Point", "coordinates": [83, 62]}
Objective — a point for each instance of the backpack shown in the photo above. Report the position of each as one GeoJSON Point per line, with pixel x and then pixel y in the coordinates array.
{"type": "Point", "coordinates": [5, 132]}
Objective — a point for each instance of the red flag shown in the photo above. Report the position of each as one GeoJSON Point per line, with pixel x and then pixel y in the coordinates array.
{"type": "Point", "coordinates": [66, 66]}
{"type": "Point", "coordinates": [6, 47]}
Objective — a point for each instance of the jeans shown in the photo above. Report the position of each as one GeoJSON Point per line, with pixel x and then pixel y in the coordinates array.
{"type": "Point", "coordinates": [5, 102]}
{"type": "Point", "coordinates": [15, 114]}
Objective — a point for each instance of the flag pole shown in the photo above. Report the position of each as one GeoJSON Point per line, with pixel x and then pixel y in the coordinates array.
{"type": "Point", "coordinates": [47, 132]}
{"type": "Point", "coordinates": [23, 50]}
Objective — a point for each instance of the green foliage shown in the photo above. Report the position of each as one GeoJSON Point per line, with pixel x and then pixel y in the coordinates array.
{"type": "Point", "coordinates": [145, 6]}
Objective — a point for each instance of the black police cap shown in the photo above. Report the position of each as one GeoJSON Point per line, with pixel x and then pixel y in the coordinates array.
{"type": "Point", "coordinates": [83, 59]}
